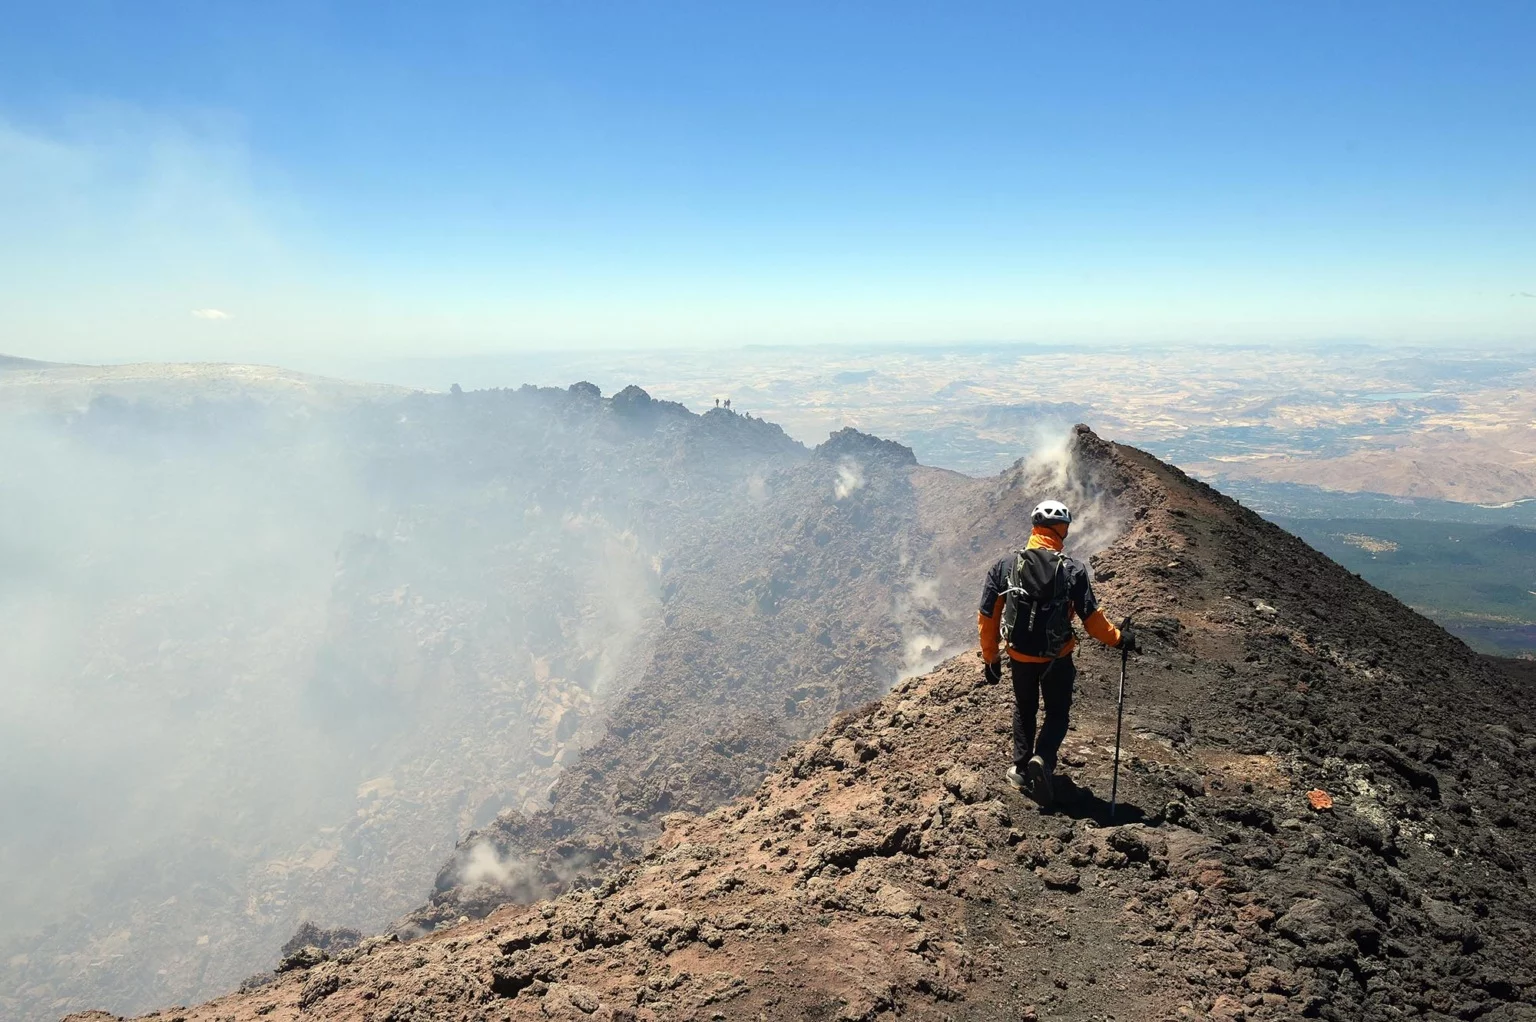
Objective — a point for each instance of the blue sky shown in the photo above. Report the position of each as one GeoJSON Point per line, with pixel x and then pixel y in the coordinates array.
{"type": "Point", "coordinates": [393, 179]}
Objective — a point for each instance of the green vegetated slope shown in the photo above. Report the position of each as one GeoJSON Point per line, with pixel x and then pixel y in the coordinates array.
{"type": "Point", "coordinates": [1479, 581]}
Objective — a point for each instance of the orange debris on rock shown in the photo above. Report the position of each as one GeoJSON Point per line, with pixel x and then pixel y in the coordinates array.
{"type": "Point", "coordinates": [1320, 799]}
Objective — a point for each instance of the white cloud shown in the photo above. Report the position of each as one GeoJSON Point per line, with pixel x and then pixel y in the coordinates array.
{"type": "Point", "coordinates": [211, 314]}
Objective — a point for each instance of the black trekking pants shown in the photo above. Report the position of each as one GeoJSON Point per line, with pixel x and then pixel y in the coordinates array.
{"type": "Point", "coordinates": [1031, 682]}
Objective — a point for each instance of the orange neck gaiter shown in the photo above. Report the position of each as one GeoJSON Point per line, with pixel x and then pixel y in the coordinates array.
{"type": "Point", "coordinates": [1046, 536]}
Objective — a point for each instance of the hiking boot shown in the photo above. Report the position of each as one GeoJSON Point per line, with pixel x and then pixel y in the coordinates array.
{"type": "Point", "coordinates": [1017, 779]}
{"type": "Point", "coordinates": [1040, 780]}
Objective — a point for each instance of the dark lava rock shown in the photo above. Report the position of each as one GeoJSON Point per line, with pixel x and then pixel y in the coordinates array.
{"type": "Point", "coordinates": [306, 957]}
{"type": "Point", "coordinates": [1308, 921]}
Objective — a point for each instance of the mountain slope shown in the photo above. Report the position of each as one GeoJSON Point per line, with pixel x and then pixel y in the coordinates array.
{"type": "Point", "coordinates": [297, 649]}
{"type": "Point", "coordinates": [881, 868]}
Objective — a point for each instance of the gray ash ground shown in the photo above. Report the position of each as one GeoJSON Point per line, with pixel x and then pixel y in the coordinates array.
{"type": "Point", "coordinates": [883, 868]}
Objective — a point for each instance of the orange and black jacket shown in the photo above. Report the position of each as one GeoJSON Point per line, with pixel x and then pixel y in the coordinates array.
{"type": "Point", "coordinates": [1085, 608]}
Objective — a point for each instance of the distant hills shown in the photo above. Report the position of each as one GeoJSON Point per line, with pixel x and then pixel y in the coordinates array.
{"type": "Point", "coordinates": [13, 362]}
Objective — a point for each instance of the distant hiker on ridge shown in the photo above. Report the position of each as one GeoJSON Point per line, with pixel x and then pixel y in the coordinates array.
{"type": "Point", "coordinates": [1027, 605]}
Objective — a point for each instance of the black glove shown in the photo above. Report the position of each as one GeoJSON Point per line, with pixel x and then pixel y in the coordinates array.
{"type": "Point", "coordinates": [993, 672]}
{"type": "Point", "coordinates": [1128, 637]}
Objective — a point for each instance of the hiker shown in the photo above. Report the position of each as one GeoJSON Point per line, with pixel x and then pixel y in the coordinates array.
{"type": "Point", "coordinates": [1027, 606]}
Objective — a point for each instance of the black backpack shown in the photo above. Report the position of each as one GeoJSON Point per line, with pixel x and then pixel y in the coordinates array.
{"type": "Point", "coordinates": [1037, 611]}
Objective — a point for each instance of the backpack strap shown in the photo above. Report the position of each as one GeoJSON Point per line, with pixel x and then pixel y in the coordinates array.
{"type": "Point", "coordinates": [1011, 595]}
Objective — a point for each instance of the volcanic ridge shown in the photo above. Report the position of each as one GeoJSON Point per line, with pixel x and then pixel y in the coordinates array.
{"type": "Point", "coordinates": [883, 869]}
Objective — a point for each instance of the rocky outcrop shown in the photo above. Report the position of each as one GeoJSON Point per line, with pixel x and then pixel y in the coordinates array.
{"type": "Point", "coordinates": [850, 443]}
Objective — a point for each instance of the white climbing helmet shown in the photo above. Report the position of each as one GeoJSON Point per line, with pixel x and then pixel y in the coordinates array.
{"type": "Point", "coordinates": [1051, 512]}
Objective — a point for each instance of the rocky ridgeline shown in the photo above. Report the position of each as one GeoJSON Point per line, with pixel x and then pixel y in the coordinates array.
{"type": "Point", "coordinates": [882, 868]}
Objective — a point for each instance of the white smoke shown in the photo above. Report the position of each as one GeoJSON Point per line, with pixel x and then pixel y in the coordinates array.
{"type": "Point", "coordinates": [216, 622]}
{"type": "Point", "coordinates": [521, 879]}
{"type": "Point", "coordinates": [850, 478]}
{"type": "Point", "coordinates": [484, 865]}
{"type": "Point", "coordinates": [922, 653]}
{"type": "Point", "coordinates": [1052, 471]}
{"type": "Point", "coordinates": [918, 610]}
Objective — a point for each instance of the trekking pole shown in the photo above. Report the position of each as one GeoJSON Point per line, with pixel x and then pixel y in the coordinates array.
{"type": "Point", "coordinates": [1114, 787]}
